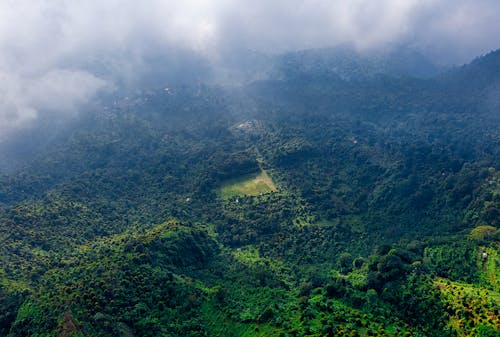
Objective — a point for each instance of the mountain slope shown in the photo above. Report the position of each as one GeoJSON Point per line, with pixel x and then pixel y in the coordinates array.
{"type": "Point", "coordinates": [377, 185]}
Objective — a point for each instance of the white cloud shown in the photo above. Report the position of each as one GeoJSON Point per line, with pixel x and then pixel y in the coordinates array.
{"type": "Point", "coordinates": [57, 92]}
{"type": "Point", "coordinates": [55, 54]}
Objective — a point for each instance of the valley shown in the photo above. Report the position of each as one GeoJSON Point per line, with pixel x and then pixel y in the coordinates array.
{"type": "Point", "coordinates": [303, 205]}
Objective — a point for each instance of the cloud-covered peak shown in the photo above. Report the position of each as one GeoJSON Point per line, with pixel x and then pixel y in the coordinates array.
{"type": "Point", "coordinates": [56, 54]}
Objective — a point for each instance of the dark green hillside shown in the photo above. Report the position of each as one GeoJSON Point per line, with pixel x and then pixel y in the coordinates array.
{"type": "Point", "coordinates": [113, 281]}
{"type": "Point", "coordinates": [306, 206]}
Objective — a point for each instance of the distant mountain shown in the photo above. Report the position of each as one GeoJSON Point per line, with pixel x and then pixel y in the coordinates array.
{"type": "Point", "coordinates": [482, 73]}
{"type": "Point", "coordinates": [473, 87]}
{"type": "Point", "coordinates": [347, 63]}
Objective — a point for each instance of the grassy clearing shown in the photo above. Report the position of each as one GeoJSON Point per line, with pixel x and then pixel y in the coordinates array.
{"type": "Point", "coordinates": [251, 185]}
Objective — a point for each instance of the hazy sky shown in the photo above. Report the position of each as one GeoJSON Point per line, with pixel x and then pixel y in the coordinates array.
{"type": "Point", "coordinates": [57, 54]}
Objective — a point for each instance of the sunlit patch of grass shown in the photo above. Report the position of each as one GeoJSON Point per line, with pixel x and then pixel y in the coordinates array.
{"type": "Point", "coordinates": [250, 185]}
{"type": "Point", "coordinates": [470, 307]}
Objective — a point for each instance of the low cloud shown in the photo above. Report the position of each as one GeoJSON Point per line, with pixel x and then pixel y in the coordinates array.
{"type": "Point", "coordinates": [56, 92]}
{"type": "Point", "coordinates": [56, 54]}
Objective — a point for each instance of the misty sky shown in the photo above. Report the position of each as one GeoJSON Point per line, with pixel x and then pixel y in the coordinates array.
{"type": "Point", "coordinates": [57, 54]}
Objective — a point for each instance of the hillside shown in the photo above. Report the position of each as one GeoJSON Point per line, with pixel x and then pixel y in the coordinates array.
{"type": "Point", "coordinates": [300, 205]}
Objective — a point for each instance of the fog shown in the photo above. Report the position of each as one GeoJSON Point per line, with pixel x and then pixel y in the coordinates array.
{"type": "Point", "coordinates": [56, 55]}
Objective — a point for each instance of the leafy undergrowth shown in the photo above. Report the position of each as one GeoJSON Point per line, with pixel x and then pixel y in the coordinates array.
{"type": "Point", "coordinates": [218, 324]}
{"type": "Point", "coordinates": [131, 284]}
{"type": "Point", "coordinates": [473, 310]}
{"type": "Point", "coordinates": [489, 266]}
{"type": "Point", "coordinates": [270, 313]}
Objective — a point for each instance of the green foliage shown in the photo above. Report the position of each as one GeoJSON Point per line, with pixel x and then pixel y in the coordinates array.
{"type": "Point", "coordinates": [472, 310]}
{"type": "Point", "coordinates": [11, 298]}
{"type": "Point", "coordinates": [388, 196]}
{"type": "Point", "coordinates": [133, 282]}
{"type": "Point", "coordinates": [455, 260]}
{"type": "Point", "coordinates": [483, 233]}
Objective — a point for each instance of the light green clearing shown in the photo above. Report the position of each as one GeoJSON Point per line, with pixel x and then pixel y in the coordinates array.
{"type": "Point", "coordinates": [251, 185]}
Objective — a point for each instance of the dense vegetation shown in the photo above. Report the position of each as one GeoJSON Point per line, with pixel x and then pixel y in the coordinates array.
{"type": "Point", "coordinates": [308, 204]}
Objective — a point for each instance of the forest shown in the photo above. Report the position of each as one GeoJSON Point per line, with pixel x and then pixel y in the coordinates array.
{"type": "Point", "coordinates": [314, 202]}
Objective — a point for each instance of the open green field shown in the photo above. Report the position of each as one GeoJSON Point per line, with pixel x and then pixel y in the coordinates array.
{"type": "Point", "coordinates": [251, 185]}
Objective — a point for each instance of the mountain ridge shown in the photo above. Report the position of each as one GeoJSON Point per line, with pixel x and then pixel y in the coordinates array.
{"type": "Point", "coordinates": [387, 194]}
